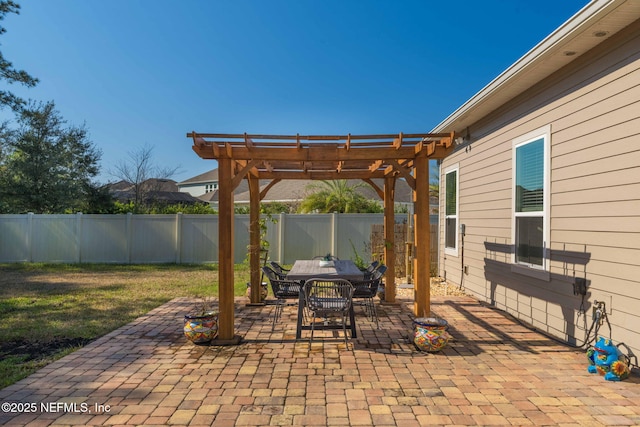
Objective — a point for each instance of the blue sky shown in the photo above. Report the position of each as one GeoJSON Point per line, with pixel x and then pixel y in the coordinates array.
{"type": "Point", "coordinates": [147, 72]}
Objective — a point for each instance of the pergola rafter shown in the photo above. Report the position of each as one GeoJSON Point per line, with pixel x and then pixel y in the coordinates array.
{"type": "Point", "coordinates": [321, 157]}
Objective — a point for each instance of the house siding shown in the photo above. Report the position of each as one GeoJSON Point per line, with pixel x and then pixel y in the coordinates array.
{"type": "Point", "coordinates": [593, 107]}
{"type": "Point", "coordinates": [196, 190]}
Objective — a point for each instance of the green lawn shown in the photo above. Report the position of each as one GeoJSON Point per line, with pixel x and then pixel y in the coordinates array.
{"type": "Point", "coordinates": [49, 310]}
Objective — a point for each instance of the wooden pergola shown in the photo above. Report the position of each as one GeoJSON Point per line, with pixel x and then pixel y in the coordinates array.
{"type": "Point", "coordinates": [278, 157]}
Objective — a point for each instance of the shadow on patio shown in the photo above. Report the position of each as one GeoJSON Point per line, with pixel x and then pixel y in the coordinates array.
{"type": "Point", "coordinates": [495, 371]}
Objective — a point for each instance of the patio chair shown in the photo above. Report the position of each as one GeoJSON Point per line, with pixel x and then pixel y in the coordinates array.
{"type": "Point", "coordinates": [283, 290]}
{"type": "Point", "coordinates": [365, 290]}
{"type": "Point", "coordinates": [329, 298]}
{"type": "Point", "coordinates": [280, 271]}
{"type": "Point", "coordinates": [370, 269]}
{"type": "Point", "coordinates": [381, 270]}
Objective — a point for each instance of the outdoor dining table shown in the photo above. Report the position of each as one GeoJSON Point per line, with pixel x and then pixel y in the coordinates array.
{"type": "Point", "coordinates": [310, 269]}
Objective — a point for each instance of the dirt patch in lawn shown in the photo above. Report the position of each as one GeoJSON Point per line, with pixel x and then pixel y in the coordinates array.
{"type": "Point", "coordinates": [36, 350]}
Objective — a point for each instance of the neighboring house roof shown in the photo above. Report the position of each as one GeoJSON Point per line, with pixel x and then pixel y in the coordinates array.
{"type": "Point", "coordinates": [210, 197]}
{"type": "Point", "coordinates": [173, 197]}
{"type": "Point", "coordinates": [119, 186]}
{"type": "Point", "coordinates": [210, 176]}
{"type": "Point", "coordinates": [163, 190]}
{"type": "Point", "coordinates": [156, 184]}
{"type": "Point", "coordinates": [597, 21]}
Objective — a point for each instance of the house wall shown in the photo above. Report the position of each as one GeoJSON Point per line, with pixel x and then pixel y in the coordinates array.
{"type": "Point", "coordinates": [593, 108]}
{"type": "Point", "coordinates": [195, 190]}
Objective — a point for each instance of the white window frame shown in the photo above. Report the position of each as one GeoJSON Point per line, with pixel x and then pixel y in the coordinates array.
{"type": "Point", "coordinates": [453, 168]}
{"type": "Point", "coordinates": [545, 134]}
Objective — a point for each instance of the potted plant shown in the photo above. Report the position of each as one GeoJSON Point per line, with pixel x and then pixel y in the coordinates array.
{"type": "Point", "coordinates": [201, 326]}
{"type": "Point", "coordinates": [327, 261]}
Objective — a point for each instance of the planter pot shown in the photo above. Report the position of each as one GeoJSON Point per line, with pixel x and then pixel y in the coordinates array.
{"type": "Point", "coordinates": [264, 291]}
{"type": "Point", "coordinates": [325, 263]}
{"type": "Point", "coordinates": [201, 329]}
{"type": "Point", "coordinates": [430, 333]}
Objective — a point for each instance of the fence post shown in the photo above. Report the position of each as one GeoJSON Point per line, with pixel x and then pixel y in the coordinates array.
{"type": "Point", "coordinates": [281, 227]}
{"type": "Point", "coordinates": [178, 237]}
{"type": "Point", "coordinates": [79, 237]}
{"type": "Point", "coordinates": [30, 236]}
{"type": "Point", "coordinates": [129, 237]}
{"type": "Point", "coordinates": [334, 233]}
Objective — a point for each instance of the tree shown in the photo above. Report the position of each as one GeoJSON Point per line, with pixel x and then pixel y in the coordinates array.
{"type": "Point", "coordinates": [337, 196]}
{"type": "Point", "coordinates": [7, 71]}
{"type": "Point", "coordinates": [138, 169]}
{"type": "Point", "coordinates": [47, 167]}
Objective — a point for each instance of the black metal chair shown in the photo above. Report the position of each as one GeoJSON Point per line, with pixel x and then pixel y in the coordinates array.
{"type": "Point", "coordinates": [366, 290]}
{"type": "Point", "coordinates": [283, 290]}
{"type": "Point", "coordinates": [328, 298]}
{"type": "Point", "coordinates": [378, 274]}
{"type": "Point", "coordinates": [381, 269]}
{"type": "Point", "coordinates": [370, 269]}
{"type": "Point", "coordinates": [280, 270]}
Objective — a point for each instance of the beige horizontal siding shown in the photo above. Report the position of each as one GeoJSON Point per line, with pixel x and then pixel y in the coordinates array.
{"type": "Point", "coordinates": [611, 179]}
{"type": "Point", "coordinates": [624, 155]}
{"type": "Point", "coordinates": [618, 208]}
{"type": "Point", "coordinates": [590, 238]}
{"type": "Point", "coordinates": [616, 140]}
{"type": "Point", "coordinates": [496, 199]}
{"type": "Point", "coordinates": [593, 195]}
{"type": "Point", "coordinates": [593, 107]}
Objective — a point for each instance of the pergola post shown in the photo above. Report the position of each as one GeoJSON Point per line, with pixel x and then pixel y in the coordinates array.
{"type": "Point", "coordinates": [389, 239]}
{"type": "Point", "coordinates": [254, 237]}
{"type": "Point", "coordinates": [225, 251]}
{"type": "Point", "coordinates": [422, 261]}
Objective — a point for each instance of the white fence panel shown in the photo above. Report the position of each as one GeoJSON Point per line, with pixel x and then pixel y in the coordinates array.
{"type": "Point", "coordinates": [241, 237]}
{"type": "Point", "coordinates": [306, 236]}
{"type": "Point", "coordinates": [153, 239]}
{"type": "Point", "coordinates": [176, 238]}
{"type": "Point", "coordinates": [299, 236]}
{"type": "Point", "coordinates": [356, 229]}
{"type": "Point", "coordinates": [54, 238]}
{"type": "Point", "coordinates": [105, 238]}
{"type": "Point", "coordinates": [199, 239]}
{"type": "Point", "coordinates": [15, 245]}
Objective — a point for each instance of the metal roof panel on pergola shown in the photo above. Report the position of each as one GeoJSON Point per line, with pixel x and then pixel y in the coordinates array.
{"type": "Point", "coordinates": [320, 157]}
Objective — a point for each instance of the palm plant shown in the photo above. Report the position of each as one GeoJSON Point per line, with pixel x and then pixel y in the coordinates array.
{"type": "Point", "coordinates": [334, 196]}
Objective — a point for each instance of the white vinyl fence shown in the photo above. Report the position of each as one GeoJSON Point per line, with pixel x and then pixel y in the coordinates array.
{"type": "Point", "coordinates": [181, 238]}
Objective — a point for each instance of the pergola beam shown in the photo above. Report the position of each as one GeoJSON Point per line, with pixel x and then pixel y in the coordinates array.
{"type": "Point", "coordinates": [313, 175]}
{"type": "Point", "coordinates": [310, 153]}
{"type": "Point", "coordinates": [242, 136]}
{"type": "Point", "coordinates": [377, 189]}
{"type": "Point", "coordinates": [244, 170]}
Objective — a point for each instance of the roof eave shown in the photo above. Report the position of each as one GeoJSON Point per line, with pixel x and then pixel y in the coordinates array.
{"type": "Point", "coordinates": [527, 71]}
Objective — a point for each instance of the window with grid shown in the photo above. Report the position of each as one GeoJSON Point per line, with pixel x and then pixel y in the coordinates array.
{"type": "Point", "coordinates": [530, 195]}
{"type": "Point", "coordinates": [451, 211]}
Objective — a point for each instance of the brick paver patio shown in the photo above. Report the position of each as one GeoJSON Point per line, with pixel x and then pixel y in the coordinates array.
{"type": "Point", "coordinates": [494, 372]}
